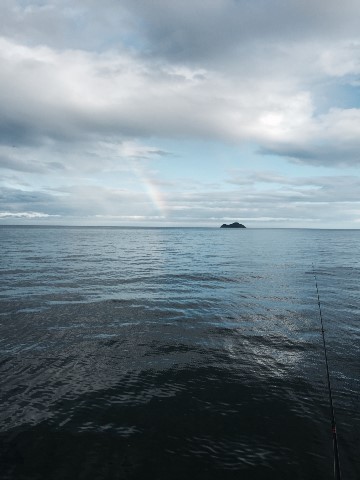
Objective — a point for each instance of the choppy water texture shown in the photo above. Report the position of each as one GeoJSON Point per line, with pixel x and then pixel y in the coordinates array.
{"type": "Point", "coordinates": [177, 353]}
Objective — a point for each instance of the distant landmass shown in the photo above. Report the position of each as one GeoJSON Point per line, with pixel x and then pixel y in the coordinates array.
{"type": "Point", "coordinates": [233, 225]}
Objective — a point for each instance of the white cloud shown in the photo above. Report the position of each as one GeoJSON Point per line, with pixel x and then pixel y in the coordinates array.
{"type": "Point", "coordinates": [342, 59]}
{"type": "Point", "coordinates": [296, 201]}
{"type": "Point", "coordinates": [92, 91]}
{"type": "Point", "coordinates": [76, 96]}
{"type": "Point", "coordinates": [329, 139]}
{"type": "Point", "coordinates": [26, 215]}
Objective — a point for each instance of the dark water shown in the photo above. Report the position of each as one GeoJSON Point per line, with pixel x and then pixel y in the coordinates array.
{"type": "Point", "coordinates": [177, 353]}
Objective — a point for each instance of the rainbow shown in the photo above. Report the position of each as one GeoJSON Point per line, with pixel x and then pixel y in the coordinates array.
{"type": "Point", "coordinates": [155, 195]}
{"type": "Point", "coordinates": [151, 189]}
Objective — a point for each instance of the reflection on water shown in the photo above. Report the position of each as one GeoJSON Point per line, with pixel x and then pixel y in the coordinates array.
{"type": "Point", "coordinates": [182, 352]}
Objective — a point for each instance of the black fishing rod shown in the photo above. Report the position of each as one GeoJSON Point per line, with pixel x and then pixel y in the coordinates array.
{"type": "Point", "coordinates": [337, 471]}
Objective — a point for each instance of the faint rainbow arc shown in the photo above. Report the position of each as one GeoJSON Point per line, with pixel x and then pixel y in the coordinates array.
{"type": "Point", "coordinates": [152, 191]}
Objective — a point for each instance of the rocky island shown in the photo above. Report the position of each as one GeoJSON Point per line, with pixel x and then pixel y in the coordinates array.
{"type": "Point", "coordinates": [233, 225]}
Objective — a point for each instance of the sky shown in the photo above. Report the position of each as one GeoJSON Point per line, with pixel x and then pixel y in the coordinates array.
{"type": "Point", "coordinates": [180, 113]}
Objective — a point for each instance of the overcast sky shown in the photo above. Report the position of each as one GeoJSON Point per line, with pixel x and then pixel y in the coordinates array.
{"type": "Point", "coordinates": [180, 113]}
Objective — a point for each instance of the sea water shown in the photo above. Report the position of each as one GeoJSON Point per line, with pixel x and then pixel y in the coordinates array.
{"type": "Point", "coordinates": [193, 353]}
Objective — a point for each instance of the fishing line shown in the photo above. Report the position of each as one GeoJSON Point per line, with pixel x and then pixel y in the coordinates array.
{"type": "Point", "coordinates": [337, 472]}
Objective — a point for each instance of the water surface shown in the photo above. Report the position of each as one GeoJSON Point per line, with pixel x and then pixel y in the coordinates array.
{"type": "Point", "coordinates": [166, 353]}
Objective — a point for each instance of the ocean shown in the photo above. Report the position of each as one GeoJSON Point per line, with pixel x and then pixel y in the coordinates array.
{"type": "Point", "coordinates": [172, 353]}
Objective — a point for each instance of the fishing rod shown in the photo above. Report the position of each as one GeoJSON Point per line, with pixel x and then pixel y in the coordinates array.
{"type": "Point", "coordinates": [337, 471]}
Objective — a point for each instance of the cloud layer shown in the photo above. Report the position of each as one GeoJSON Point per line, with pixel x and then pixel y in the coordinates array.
{"type": "Point", "coordinates": [92, 95]}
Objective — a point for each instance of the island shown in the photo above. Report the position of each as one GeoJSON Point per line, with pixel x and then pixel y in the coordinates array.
{"type": "Point", "coordinates": [233, 225]}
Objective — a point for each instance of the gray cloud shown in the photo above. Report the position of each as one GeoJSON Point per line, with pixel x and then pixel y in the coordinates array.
{"type": "Point", "coordinates": [91, 93]}
{"type": "Point", "coordinates": [201, 30]}
{"type": "Point", "coordinates": [328, 151]}
{"type": "Point", "coordinates": [13, 199]}
{"type": "Point", "coordinates": [327, 155]}
{"type": "Point", "coordinates": [317, 189]}
{"type": "Point", "coordinates": [178, 29]}
{"type": "Point", "coordinates": [66, 98]}
{"type": "Point", "coordinates": [72, 95]}
{"type": "Point", "coordinates": [14, 162]}
{"type": "Point", "coordinates": [294, 201]}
